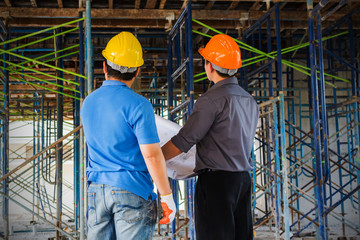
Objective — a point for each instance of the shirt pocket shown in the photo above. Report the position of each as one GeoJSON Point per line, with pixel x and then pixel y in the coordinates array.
{"type": "Point", "coordinates": [128, 206]}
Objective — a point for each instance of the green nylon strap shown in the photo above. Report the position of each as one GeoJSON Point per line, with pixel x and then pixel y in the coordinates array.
{"type": "Point", "coordinates": [42, 31]}
{"type": "Point", "coordinates": [51, 90]}
{"type": "Point", "coordinates": [39, 62]}
{"type": "Point", "coordinates": [273, 54]}
{"type": "Point", "coordinates": [45, 81]}
{"type": "Point", "coordinates": [46, 55]}
{"type": "Point", "coordinates": [39, 72]}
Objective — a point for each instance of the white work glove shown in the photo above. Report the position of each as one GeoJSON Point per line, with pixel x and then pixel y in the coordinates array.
{"type": "Point", "coordinates": [169, 208]}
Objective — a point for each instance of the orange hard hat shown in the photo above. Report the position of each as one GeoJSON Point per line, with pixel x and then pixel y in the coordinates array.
{"type": "Point", "coordinates": [222, 51]}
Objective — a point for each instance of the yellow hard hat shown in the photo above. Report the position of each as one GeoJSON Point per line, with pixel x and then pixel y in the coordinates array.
{"type": "Point", "coordinates": [124, 50]}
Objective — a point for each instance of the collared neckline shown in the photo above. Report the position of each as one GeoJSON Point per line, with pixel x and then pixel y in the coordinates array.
{"type": "Point", "coordinates": [113, 82]}
{"type": "Point", "coordinates": [230, 80]}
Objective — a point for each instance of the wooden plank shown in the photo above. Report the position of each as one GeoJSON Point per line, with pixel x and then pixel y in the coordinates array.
{"type": "Point", "coordinates": [162, 4]}
{"type": "Point", "coordinates": [137, 4]}
{"type": "Point", "coordinates": [150, 4]}
{"type": "Point", "coordinates": [111, 4]}
{"type": "Point", "coordinates": [33, 3]}
{"type": "Point", "coordinates": [8, 3]}
{"type": "Point", "coordinates": [60, 3]}
{"type": "Point", "coordinates": [71, 13]}
{"type": "Point", "coordinates": [233, 5]}
{"type": "Point", "coordinates": [185, 3]}
{"type": "Point", "coordinates": [200, 37]}
{"type": "Point", "coordinates": [154, 23]}
{"type": "Point", "coordinates": [209, 5]}
{"type": "Point", "coordinates": [256, 6]}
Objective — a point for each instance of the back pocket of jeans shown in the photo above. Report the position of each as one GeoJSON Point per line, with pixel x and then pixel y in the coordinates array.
{"type": "Point", "coordinates": [91, 209]}
{"type": "Point", "coordinates": [128, 206]}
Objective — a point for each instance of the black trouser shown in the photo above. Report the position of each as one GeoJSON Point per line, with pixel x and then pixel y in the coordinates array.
{"type": "Point", "coordinates": [223, 206]}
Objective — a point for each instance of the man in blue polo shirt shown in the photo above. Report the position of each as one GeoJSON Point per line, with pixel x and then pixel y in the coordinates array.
{"type": "Point", "coordinates": [124, 151]}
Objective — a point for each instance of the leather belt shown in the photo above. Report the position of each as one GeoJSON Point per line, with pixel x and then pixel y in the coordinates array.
{"type": "Point", "coordinates": [205, 170]}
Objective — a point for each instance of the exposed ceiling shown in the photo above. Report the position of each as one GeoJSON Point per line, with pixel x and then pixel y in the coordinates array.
{"type": "Point", "coordinates": [151, 20]}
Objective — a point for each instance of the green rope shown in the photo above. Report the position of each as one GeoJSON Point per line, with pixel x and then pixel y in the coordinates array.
{"type": "Point", "coordinates": [199, 74]}
{"type": "Point", "coordinates": [46, 55]}
{"type": "Point", "coordinates": [274, 53]}
{"type": "Point", "coordinates": [41, 63]}
{"type": "Point", "coordinates": [51, 90]}
{"type": "Point", "coordinates": [201, 79]}
{"type": "Point", "coordinates": [309, 69]}
{"type": "Point", "coordinates": [42, 31]}
{"type": "Point", "coordinates": [41, 40]}
{"type": "Point", "coordinates": [55, 58]}
{"type": "Point", "coordinates": [45, 81]}
{"type": "Point", "coordinates": [39, 72]}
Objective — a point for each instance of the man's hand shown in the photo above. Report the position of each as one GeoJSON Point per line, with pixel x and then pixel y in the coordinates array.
{"type": "Point", "coordinates": [169, 208]}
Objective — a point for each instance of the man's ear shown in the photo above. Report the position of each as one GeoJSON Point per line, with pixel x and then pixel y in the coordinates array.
{"type": "Point", "coordinates": [104, 67]}
{"type": "Point", "coordinates": [211, 67]}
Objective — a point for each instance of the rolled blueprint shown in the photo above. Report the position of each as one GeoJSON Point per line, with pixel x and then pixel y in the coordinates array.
{"type": "Point", "coordinates": [181, 166]}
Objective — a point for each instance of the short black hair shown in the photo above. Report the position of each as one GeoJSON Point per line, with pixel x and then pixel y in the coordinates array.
{"type": "Point", "coordinates": [223, 75]}
{"type": "Point", "coordinates": [118, 75]}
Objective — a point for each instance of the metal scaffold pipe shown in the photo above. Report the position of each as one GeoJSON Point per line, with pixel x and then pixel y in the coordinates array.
{"type": "Point", "coordinates": [89, 50]}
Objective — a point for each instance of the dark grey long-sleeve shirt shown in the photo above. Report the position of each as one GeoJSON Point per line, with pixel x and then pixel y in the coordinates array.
{"type": "Point", "coordinates": [222, 126]}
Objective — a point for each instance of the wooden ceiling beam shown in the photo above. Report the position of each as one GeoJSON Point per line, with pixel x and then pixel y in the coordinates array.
{"type": "Point", "coordinates": [33, 3]}
{"type": "Point", "coordinates": [8, 3]}
{"type": "Point", "coordinates": [137, 4]}
{"type": "Point", "coordinates": [185, 3]}
{"type": "Point", "coordinates": [152, 23]}
{"type": "Point", "coordinates": [67, 13]}
{"type": "Point", "coordinates": [299, 1]}
{"type": "Point", "coordinates": [209, 5]}
{"type": "Point", "coordinates": [256, 6]}
{"type": "Point", "coordinates": [60, 3]}
{"type": "Point", "coordinates": [233, 5]}
{"type": "Point", "coordinates": [162, 4]}
{"type": "Point", "coordinates": [150, 4]}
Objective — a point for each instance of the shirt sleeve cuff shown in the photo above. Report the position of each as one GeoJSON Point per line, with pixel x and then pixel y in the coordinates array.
{"type": "Point", "coordinates": [181, 143]}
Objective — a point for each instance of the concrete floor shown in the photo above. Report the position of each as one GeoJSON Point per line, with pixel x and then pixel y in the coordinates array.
{"type": "Point", "coordinates": [23, 229]}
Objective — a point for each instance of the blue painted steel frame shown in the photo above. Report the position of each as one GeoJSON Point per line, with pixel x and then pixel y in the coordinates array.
{"type": "Point", "coordinates": [316, 121]}
{"type": "Point", "coordinates": [59, 134]}
{"type": "Point", "coordinates": [185, 20]}
{"type": "Point", "coordinates": [281, 164]}
{"type": "Point", "coordinates": [5, 145]}
{"type": "Point", "coordinates": [89, 49]}
{"type": "Point", "coordinates": [77, 177]}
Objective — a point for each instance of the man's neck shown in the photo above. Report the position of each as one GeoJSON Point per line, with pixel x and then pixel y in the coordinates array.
{"type": "Point", "coordinates": [218, 79]}
{"type": "Point", "coordinates": [128, 83]}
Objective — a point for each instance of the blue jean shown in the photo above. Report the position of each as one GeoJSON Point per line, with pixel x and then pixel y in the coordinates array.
{"type": "Point", "coordinates": [114, 213]}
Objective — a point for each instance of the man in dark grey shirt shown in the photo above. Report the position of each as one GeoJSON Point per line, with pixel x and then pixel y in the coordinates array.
{"type": "Point", "coordinates": [222, 126]}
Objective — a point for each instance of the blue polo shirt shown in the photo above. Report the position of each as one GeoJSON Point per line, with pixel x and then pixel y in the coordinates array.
{"type": "Point", "coordinates": [115, 121]}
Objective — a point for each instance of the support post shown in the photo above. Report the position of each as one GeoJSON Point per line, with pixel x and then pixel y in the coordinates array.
{"type": "Point", "coordinates": [89, 59]}
{"type": "Point", "coordinates": [5, 157]}
{"type": "Point", "coordinates": [354, 91]}
{"type": "Point", "coordinates": [77, 149]}
{"type": "Point", "coordinates": [284, 163]}
{"type": "Point", "coordinates": [321, 234]}
{"type": "Point", "coordinates": [82, 164]}
{"type": "Point", "coordinates": [59, 131]}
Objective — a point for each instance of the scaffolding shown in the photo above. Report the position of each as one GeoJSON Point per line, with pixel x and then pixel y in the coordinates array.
{"type": "Point", "coordinates": [306, 149]}
{"type": "Point", "coordinates": [296, 153]}
{"type": "Point", "coordinates": [49, 99]}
